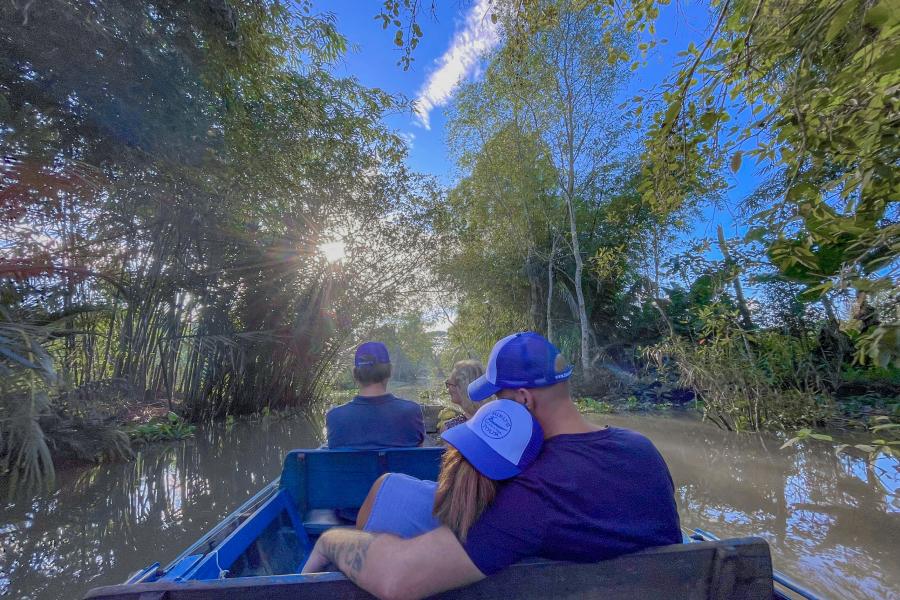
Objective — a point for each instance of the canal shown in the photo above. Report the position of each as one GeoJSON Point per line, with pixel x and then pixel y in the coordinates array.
{"type": "Point", "coordinates": [833, 522]}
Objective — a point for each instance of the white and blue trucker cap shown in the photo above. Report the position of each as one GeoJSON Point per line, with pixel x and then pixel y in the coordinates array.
{"type": "Point", "coordinates": [521, 360]}
{"type": "Point", "coordinates": [500, 441]}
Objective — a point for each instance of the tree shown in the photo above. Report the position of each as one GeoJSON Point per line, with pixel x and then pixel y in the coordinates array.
{"type": "Point", "coordinates": [566, 78]}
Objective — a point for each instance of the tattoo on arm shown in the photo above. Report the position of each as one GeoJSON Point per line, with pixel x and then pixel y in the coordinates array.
{"type": "Point", "coordinates": [347, 551]}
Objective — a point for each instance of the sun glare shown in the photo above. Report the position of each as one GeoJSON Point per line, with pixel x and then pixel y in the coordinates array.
{"type": "Point", "coordinates": [333, 251]}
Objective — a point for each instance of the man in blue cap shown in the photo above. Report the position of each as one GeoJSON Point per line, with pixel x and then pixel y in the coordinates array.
{"type": "Point", "coordinates": [593, 493]}
{"type": "Point", "coordinates": [374, 418]}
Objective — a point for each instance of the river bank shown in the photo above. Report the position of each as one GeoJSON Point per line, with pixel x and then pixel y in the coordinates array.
{"type": "Point", "coordinates": [832, 521]}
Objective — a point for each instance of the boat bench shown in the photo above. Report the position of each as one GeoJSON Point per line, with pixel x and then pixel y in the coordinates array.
{"type": "Point", "coordinates": [326, 483]}
{"type": "Point", "coordinates": [732, 569]}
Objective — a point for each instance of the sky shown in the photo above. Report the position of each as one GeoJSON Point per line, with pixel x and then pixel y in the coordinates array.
{"type": "Point", "coordinates": [454, 39]}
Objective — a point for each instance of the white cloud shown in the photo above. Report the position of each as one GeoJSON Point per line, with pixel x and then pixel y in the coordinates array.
{"type": "Point", "coordinates": [408, 138]}
{"type": "Point", "coordinates": [477, 36]}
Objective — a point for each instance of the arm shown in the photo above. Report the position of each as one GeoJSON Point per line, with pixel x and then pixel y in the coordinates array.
{"type": "Point", "coordinates": [365, 511]}
{"type": "Point", "coordinates": [389, 567]}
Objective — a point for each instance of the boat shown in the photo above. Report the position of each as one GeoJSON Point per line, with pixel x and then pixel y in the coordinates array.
{"type": "Point", "coordinates": [258, 551]}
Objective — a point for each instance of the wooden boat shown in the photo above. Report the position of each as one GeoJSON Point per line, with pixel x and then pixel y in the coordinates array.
{"type": "Point", "coordinates": [258, 551]}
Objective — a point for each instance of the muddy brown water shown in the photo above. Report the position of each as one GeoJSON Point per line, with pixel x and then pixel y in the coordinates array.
{"type": "Point", "coordinates": [833, 522]}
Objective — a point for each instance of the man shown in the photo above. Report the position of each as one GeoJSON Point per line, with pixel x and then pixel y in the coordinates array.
{"type": "Point", "coordinates": [374, 418]}
{"type": "Point", "coordinates": [593, 493]}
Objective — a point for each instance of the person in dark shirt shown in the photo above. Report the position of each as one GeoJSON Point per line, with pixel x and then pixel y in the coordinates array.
{"type": "Point", "coordinates": [374, 418]}
{"type": "Point", "coordinates": [593, 493]}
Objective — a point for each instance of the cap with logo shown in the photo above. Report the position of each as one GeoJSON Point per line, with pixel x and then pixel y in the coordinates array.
{"type": "Point", "coordinates": [371, 353]}
{"type": "Point", "coordinates": [520, 360]}
{"type": "Point", "coordinates": [500, 441]}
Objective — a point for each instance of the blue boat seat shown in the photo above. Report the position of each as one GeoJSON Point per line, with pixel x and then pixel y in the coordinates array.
{"type": "Point", "coordinates": [324, 482]}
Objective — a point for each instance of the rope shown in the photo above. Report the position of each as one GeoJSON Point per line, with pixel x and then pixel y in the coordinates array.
{"type": "Point", "coordinates": [222, 572]}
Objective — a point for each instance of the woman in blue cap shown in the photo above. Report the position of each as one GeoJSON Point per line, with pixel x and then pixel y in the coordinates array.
{"type": "Point", "coordinates": [500, 441]}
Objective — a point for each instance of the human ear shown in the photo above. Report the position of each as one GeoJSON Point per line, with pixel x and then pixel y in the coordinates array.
{"type": "Point", "coordinates": [526, 397]}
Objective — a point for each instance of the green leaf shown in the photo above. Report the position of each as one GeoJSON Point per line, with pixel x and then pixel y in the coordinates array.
{"type": "Point", "coordinates": [756, 234]}
{"type": "Point", "coordinates": [672, 113]}
{"type": "Point", "coordinates": [840, 19]}
{"type": "Point", "coordinates": [882, 14]}
{"type": "Point", "coordinates": [886, 426]}
{"type": "Point", "coordinates": [736, 161]}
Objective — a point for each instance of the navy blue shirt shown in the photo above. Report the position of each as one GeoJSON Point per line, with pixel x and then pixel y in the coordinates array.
{"type": "Point", "coordinates": [588, 497]}
{"type": "Point", "coordinates": [369, 422]}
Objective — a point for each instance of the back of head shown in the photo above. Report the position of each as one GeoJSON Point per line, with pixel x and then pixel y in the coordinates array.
{"type": "Point", "coordinates": [462, 493]}
{"type": "Point", "coordinates": [524, 361]}
{"type": "Point", "coordinates": [372, 364]}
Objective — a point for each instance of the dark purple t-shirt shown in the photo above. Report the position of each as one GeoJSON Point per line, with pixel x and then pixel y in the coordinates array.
{"type": "Point", "coordinates": [588, 497]}
{"type": "Point", "coordinates": [369, 422]}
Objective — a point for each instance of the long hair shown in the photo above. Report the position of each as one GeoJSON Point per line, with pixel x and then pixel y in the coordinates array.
{"type": "Point", "coordinates": [465, 372]}
{"type": "Point", "coordinates": [462, 493]}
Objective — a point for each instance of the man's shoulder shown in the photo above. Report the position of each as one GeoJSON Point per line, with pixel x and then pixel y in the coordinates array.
{"type": "Point", "coordinates": [587, 452]}
{"type": "Point", "coordinates": [336, 411]}
{"type": "Point", "coordinates": [406, 404]}
{"type": "Point", "coordinates": [632, 439]}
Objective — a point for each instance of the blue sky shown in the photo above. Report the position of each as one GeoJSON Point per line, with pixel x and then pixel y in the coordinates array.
{"type": "Point", "coordinates": [453, 38]}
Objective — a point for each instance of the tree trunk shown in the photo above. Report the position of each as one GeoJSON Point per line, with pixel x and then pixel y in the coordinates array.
{"type": "Point", "coordinates": [573, 230]}
{"type": "Point", "coordinates": [550, 286]}
{"type": "Point", "coordinates": [746, 321]}
{"type": "Point", "coordinates": [579, 291]}
{"type": "Point", "coordinates": [534, 300]}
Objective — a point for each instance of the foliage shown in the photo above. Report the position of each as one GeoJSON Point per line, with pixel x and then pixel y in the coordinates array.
{"type": "Point", "coordinates": [808, 89]}
{"type": "Point", "coordinates": [535, 235]}
{"type": "Point", "coordinates": [170, 428]}
{"type": "Point", "coordinates": [746, 379]}
{"type": "Point", "coordinates": [885, 439]}
{"type": "Point", "coordinates": [812, 89]}
{"type": "Point", "coordinates": [161, 213]}
{"type": "Point", "coordinates": [27, 375]}
{"type": "Point", "coordinates": [590, 405]}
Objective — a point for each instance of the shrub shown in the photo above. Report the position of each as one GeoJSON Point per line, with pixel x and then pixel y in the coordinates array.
{"type": "Point", "coordinates": [172, 427]}
{"type": "Point", "coordinates": [589, 405]}
{"type": "Point", "coordinates": [747, 379]}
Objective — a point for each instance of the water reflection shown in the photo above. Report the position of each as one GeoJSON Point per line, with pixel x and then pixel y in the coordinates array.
{"type": "Point", "coordinates": [833, 522]}
{"type": "Point", "coordinates": [105, 522]}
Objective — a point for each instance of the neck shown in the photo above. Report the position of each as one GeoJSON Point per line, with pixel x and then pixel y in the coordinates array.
{"type": "Point", "coordinates": [373, 389]}
{"type": "Point", "coordinates": [565, 418]}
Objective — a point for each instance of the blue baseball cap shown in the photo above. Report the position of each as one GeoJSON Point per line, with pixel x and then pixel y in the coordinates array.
{"type": "Point", "coordinates": [500, 441]}
{"type": "Point", "coordinates": [520, 360]}
{"type": "Point", "coordinates": [371, 353]}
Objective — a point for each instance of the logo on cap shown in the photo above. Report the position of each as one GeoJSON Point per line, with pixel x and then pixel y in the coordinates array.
{"type": "Point", "coordinates": [496, 425]}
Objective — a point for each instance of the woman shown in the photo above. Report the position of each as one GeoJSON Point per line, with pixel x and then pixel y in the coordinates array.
{"type": "Point", "coordinates": [473, 463]}
{"type": "Point", "coordinates": [464, 372]}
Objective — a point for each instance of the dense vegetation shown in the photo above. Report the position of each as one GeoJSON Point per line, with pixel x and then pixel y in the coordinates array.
{"type": "Point", "coordinates": [577, 213]}
{"type": "Point", "coordinates": [172, 170]}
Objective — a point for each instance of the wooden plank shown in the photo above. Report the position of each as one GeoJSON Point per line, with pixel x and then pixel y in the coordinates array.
{"type": "Point", "coordinates": [740, 569]}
